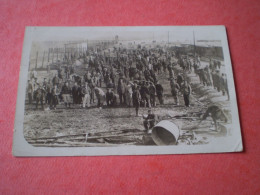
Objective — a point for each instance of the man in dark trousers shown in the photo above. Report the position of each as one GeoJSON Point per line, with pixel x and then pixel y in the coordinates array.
{"type": "Point", "coordinates": [149, 120]}
{"type": "Point", "coordinates": [159, 92]}
{"type": "Point", "coordinates": [186, 91]}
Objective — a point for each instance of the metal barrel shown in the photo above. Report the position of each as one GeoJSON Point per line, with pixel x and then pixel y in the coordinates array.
{"type": "Point", "coordinates": [165, 133]}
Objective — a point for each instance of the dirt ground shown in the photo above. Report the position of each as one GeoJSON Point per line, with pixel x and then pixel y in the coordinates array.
{"type": "Point", "coordinates": [79, 121]}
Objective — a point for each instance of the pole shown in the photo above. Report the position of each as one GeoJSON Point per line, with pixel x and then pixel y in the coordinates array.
{"type": "Point", "coordinates": [168, 38]}
{"type": "Point", "coordinates": [43, 58]}
{"type": "Point", "coordinates": [52, 57]}
{"type": "Point", "coordinates": [194, 44]}
{"type": "Point", "coordinates": [36, 59]}
{"type": "Point", "coordinates": [57, 55]}
{"type": "Point", "coordinates": [48, 56]}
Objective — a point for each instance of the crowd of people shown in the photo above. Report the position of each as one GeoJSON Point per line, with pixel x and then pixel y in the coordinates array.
{"type": "Point", "coordinates": [130, 79]}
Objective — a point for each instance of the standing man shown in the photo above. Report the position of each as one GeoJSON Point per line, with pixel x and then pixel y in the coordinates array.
{"type": "Point", "coordinates": [159, 92]}
{"type": "Point", "coordinates": [152, 92]}
{"type": "Point", "coordinates": [136, 98]}
{"type": "Point", "coordinates": [75, 93]}
{"type": "Point", "coordinates": [180, 79]}
{"type": "Point", "coordinates": [129, 93]}
{"type": "Point", "coordinates": [30, 91]}
{"type": "Point", "coordinates": [55, 80]}
{"type": "Point", "coordinates": [66, 93]}
{"type": "Point", "coordinates": [121, 90]}
{"type": "Point", "coordinates": [40, 95]}
{"type": "Point", "coordinates": [54, 99]}
{"type": "Point", "coordinates": [175, 90]}
{"type": "Point", "coordinates": [85, 91]}
{"type": "Point", "coordinates": [186, 90]}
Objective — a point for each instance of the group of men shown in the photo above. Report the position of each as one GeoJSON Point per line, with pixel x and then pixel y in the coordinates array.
{"type": "Point", "coordinates": [131, 79]}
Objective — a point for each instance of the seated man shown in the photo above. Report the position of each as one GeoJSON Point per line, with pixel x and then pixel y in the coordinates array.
{"type": "Point", "coordinates": [149, 120]}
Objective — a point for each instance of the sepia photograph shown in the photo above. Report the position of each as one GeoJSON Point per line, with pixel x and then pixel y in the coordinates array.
{"type": "Point", "coordinates": [126, 91]}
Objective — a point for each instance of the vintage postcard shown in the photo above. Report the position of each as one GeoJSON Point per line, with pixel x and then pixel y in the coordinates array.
{"type": "Point", "coordinates": [92, 91]}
